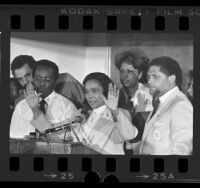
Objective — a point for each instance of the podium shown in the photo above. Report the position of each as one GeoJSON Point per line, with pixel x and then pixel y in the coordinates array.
{"type": "Point", "coordinates": [20, 146]}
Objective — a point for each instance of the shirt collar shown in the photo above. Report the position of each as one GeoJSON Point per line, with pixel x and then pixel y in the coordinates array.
{"type": "Point", "coordinates": [49, 97]}
{"type": "Point", "coordinates": [100, 109]}
{"type": "Point", "coordinates": [164, 97]}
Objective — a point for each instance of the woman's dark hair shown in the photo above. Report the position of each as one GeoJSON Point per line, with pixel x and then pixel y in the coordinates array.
{"type": "Point", "coordinates": [102, 78]}
{"type": "Point", "coordinates": [137, 58]}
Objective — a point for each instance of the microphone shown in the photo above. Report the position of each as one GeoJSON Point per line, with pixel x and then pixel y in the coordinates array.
{"type": "Point", "coordinates": [76, 119]}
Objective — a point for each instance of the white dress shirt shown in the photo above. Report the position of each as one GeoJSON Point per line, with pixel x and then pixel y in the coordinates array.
{"type": "Point", "coordinates": [164, 97]}
{"type": "Point", "coordinates": [58, 109]}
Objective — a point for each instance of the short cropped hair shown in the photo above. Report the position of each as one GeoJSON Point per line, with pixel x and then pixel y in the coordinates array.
{"type": "Point", "coordinates": [20, 61]}
{"type": "Point", "coordinates": [137, 58]}
{"type": "Point", "coordinates": [168, 66]}
{"type": "Point", "coordinates": [50, 64]}
{"type": "Point", "coordinates": [101, 78]}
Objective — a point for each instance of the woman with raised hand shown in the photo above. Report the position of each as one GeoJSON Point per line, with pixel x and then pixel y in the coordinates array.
{"type": "Point", "coordinates": [107, 126]}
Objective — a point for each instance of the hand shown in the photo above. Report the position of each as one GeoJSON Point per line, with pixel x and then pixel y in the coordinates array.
{"type": "Point", "coordinates": [112, 100]}
{"type": "Point", "coordinates": [142, 103]}
{"type": "Point", "coordinates": [78, 117]}
{"type": "Point", "coordinates": [129, 146]}
{"type": "Point", "coordinates": [31, 96]}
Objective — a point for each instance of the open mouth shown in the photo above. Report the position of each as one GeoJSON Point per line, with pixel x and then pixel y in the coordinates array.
{"type": "Point", "coordinates": [92, 102]}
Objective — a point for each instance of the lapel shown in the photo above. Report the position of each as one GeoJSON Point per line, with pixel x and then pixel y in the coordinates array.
{"type": "Point", "coordinates": [161, 109]}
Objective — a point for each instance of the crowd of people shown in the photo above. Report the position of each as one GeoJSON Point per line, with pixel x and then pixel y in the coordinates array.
{"type": "Point", "coordinates": [148, 115]}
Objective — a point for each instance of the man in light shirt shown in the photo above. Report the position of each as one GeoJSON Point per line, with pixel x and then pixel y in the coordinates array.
{"type": "Point", "coordinates": [22, 67]}
{"type": "Point", "coordinates": [106, 126]}
{"type": "Point", "coordinates": [40, 99]}
{"type": "Point", "coordinates": [169, 127]}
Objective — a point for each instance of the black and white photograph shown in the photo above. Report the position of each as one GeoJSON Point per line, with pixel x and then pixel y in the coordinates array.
{"type": "Point", "coordinates": [0, 57]}
{"type": "Point", "coordinates": [101, 93]}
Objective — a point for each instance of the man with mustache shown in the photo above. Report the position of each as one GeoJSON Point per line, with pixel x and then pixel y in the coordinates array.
{"type": "Point", "coordinates": [169, 127]}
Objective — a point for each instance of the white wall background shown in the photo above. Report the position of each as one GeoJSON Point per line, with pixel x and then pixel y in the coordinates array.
{"type": "Point", "coordinates": [83, 53]}
{"type": "Point", "coordinates": [177, 46]}
{"type": "Point", "coordinates": [75, 53]}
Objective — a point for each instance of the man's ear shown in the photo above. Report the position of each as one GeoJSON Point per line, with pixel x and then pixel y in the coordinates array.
{"type": "Point", "coordinates": [172, 78]}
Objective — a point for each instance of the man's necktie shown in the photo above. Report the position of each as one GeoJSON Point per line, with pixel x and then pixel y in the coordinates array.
{"type": "Point", "coordinates": [42, 108]}
{"type": "Point", "coordinates": [155, 104]}
{"type": "Point", "coordinates": [42, 105]}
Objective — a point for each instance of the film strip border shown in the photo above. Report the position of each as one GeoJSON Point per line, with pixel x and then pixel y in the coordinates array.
{"type": "Point", "coordinates": [112, 23]}
{"type": "Point", "coordinates": [101, 19]}
{"type": "Point", "coordinates": [62, 168]}
{"type": "Point", "coordinates": [100, 168]}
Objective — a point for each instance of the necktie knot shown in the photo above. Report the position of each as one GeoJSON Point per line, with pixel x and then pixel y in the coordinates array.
{"type": "Point", "coordinates": [42, 105]}
{"type": "Point", "coordinates": [155, 103]}
{"type": "Point", "coordinates": [42, 101]}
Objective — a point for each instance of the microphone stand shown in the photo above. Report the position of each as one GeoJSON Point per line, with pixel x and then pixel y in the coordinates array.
{"type": "Point", "coordinates": [77, 119]}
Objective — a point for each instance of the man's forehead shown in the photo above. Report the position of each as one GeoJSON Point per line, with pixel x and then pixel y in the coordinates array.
{"type": "Point", "coordinates": [154, 70]}
{"type": "Point", "coordinates": [22, 70]}
{"type": "Point", "coordinates": [43, 70]}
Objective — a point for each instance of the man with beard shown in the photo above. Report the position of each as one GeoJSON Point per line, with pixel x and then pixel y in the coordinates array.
{"type": "Point", "coordinates": [40, 99]}
{"type": "Point", "coordinates": [169, 127]}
